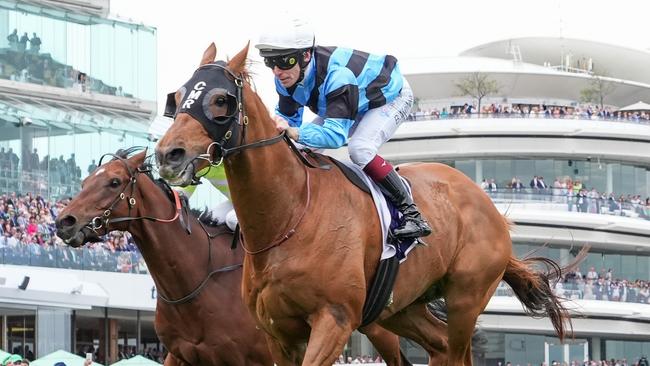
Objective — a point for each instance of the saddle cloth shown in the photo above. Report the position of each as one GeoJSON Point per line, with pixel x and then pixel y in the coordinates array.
{"type": "Point", "coordinates": [389, 217]}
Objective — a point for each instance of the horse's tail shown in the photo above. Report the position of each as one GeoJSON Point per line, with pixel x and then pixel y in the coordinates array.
{"type": "Point", "coordinates": [533, 288]}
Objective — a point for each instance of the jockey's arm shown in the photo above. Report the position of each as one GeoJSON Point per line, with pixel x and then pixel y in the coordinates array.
{"type": "Point", "coordinates": [287, 107]}
{"type": "Point", "coordinates": [341, 107]}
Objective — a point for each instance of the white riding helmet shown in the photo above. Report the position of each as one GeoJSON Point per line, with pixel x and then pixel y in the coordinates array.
{"type": "Point", "coordinates": [285, 37]}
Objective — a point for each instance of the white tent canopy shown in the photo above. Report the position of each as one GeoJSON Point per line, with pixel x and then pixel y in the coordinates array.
{"type": "Point", "coordinates": [638, 106]}
{"type": "Point", "coordinates": [3, 355]}
{"type": "Point", "coordinates": [136, 361]}
{"type": "Point", "coordinates": [61, 356]}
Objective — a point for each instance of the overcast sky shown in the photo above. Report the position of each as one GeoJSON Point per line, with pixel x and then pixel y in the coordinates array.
{"type": "Point", "coordinates": [408, 29]}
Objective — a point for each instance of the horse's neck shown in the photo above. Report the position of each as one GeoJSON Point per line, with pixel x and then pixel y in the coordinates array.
{"type": "Point", "coordinates": [176, 260]}
{"type": "Point", "coordinates": [267, 184]}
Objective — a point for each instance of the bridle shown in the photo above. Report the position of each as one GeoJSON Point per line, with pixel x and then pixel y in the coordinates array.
{"type": "Point", "coordinates": [103, 222]}
{"type": "Point", "coordinates": [224, 146]}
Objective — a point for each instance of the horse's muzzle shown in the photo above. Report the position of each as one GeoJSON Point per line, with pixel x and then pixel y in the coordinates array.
{"type": "Point", "coordinates": [72, 233]}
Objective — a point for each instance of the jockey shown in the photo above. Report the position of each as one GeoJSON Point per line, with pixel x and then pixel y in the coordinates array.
{"type": "Point", "coordinates": [355, 94]}
{"type": "Point", "coordinates": [222, 212]}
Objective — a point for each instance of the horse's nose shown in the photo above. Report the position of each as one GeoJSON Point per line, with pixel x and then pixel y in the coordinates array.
{"type": "Point", "coordinates": [65, 226]}
{"type": "Point", "coordinates": [65, 222]}
{"type": "Point", "coordinates": [173, 156]}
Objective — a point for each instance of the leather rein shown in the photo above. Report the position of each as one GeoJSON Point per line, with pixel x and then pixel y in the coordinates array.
{"type": "Point", "coordinates": [103, 221]}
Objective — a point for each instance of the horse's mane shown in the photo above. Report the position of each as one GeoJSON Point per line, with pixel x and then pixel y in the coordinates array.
{"type": "Point", "coordinates": [124, 153]}
{"type": "Point", "coordinates": [206, 217]}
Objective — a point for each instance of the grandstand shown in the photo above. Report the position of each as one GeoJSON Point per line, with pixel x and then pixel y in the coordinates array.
{"type": "Point", "coordinates": [75, 83]}
{"type": "Point", "coordinates": [567, 172]}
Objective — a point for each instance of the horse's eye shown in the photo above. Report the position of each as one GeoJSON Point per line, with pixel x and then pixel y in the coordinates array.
{"type": "Point", "coordinates": [220, 101]}
{"type": "Point", "coordinates": [115, 183]}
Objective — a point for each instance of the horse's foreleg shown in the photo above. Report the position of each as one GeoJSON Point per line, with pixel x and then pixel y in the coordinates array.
{"type": "Point", "coordinates": [385, 342]}
{"type": "Point", "coordinates": [330, 330]}
{"type": "Point", "coordinates": [279, 354]}
{"type": "Point", "coordinates": [417, 323]}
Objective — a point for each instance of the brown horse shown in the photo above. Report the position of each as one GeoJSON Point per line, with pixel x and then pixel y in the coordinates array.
{"type": "Point", "coordinates": [205, 326]}
{"type": "Point", "coordinates": [313, 241]}
{"type": "Point", "coordinates": [210, 325]}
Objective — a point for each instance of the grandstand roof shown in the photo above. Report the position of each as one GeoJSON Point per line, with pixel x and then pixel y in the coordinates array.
{"type": "Point", "coordinates": [616, 61]}
{"type": "Point", "coordinates": [84, 12]}
{"type": "Point", "coordinates": [435, 78]}
{"type": "Point", "coordinates": [65, 110]}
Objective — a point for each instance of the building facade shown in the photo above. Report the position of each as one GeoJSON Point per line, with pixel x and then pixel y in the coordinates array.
{"type": "Point", "coordinates": [75, 83]}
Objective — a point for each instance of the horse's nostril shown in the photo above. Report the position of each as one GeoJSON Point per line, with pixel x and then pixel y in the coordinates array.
{"type": "Point", "coordinates": [67, 221]}
{"type": "Point", "coordinates": [175, 155]}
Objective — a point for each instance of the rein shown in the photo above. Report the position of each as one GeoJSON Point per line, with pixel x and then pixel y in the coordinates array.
{"type": "Point", "coordinates": [103, 221]}
{"type": "Point", "coordinates": [291, 231]}
{"type": "Point", "coordinates": [224, 151]}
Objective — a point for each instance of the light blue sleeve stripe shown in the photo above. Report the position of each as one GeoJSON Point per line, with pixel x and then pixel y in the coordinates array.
{"type": "Point", "coordinates": [337, 78]}
{"type": "Point", "coordinates": [295, 120]}
{"type": "Point", "coordinates": [331, 135]}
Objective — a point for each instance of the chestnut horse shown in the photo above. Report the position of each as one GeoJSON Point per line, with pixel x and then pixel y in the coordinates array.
{"type": "Point", "coordinates": [313, 242]}
{"type": "Point", "coordinates": [206, 323]}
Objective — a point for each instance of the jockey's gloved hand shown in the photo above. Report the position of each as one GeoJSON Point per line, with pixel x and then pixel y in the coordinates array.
{"type": "Point", "coordinates": [281, 124]}
{"type": "Point", "coordinates": [293, 133]}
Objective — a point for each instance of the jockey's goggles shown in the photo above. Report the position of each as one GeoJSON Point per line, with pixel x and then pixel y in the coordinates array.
{"type": "Point", "coordinates": [284, 62]}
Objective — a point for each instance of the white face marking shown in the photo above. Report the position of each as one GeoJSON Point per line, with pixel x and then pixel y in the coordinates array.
{"type": "Point", "coordinates": [100, 171]}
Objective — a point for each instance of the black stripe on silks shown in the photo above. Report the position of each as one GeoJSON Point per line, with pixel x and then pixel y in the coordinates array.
{"type": "Point", "coordinates": [322, 55]}
{"type": "Point", "coordinates": [343, 102]}
{"type": "Point", "coordinates": [373, 91]}
{"type": "Point", "coordinates": [357, 61]}
{"type": "Point", "coordinates": [288, 106]}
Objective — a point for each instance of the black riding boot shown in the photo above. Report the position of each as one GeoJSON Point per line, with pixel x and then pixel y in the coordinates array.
{"type": "Point", "coordinates": [413, 225]}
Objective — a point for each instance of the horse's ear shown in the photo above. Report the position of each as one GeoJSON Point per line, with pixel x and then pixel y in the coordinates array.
{"type": "Point", "coordinates": [238, 63]}
{"type": "Point", "coordinates": [138, 159]}
{"type": "Point", "coordinates": [209, 55]}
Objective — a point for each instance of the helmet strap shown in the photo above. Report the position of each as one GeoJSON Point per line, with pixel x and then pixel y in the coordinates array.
{"type": "Point", "coordinates": [303, 64]}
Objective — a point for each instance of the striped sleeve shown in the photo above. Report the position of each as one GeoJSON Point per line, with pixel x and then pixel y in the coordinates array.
{"type": "Point", "coordinates": [290, 110]}
{"type": "Point", "coordinates": [287, 107]}
{"type": "Point", "coordinates": [341, 106]}
{"type": "Point", "coordinates": [375, 90]}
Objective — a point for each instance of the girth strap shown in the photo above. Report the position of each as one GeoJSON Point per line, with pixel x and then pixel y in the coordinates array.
{"type": "Point", "coordinates": [380, 290]}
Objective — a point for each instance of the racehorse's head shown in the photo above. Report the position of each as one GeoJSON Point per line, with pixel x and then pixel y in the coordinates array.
{"type": "Point", "coordinates": [106, 193]}
{"type": "Point", "coordinates": [207, 112]}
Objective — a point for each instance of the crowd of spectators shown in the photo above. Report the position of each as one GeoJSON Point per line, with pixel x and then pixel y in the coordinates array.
{"type": "Point", "coordinates": [575, 194]}
{"type": "Point", "coordinates": [642, 361]}
{"type": "Point", "coordinates": [595, 285]}
{"type": "Point", "coordinates": [31, 173]}
{"type": "Point", "coordinates": [531, 111]}
{"type": "Point", "coordinates": [602, 286]}
{"type": "Point", "coordinates": [20, 63]}
{"type": "Point", "coordinates": [350, 360]}
{"type": "Point", "coordinates": [126, 352]}
{"type": "Point", "coordinates": [28, 237]}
